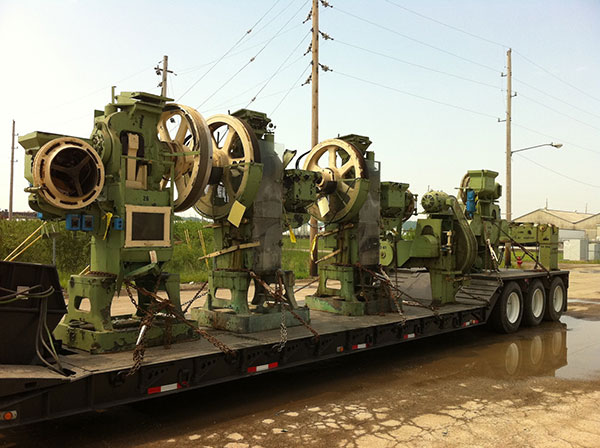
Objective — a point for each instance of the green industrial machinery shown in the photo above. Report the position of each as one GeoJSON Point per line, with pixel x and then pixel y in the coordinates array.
{"type": "Point", "coordinates": [144, 160]}
{"type": "Point", "coordinates": [397, 205]}
{"type": "Point", "coordinates": [348, 205]}
{"type": "Point", "coordinates": [250, 197]}
{"type": "Point", "coordinates": [457, 238]}
{"type": "Point", "coordinates": [542, 237]}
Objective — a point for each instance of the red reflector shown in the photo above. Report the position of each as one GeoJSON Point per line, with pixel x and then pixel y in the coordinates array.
{"type": "Point", "coordinates": [263, 367]}
{"type": "Point", "coordinates": [9, 415]}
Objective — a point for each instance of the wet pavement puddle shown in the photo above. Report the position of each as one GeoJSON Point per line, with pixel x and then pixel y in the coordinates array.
{"type": "Point", "coordinates": [375, 398]}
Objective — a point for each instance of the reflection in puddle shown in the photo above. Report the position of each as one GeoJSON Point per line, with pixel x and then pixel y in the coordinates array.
{"type": "Point", "coordinates": [540, 351]}
{"type": "Point", "coordinates": [411, 379]}
{"type": "Point", "coordinates": [569, 349]}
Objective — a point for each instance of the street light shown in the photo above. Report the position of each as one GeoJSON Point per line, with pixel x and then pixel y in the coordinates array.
{"type": "Point", "coordinates": [554, 145]}
{"type": "Point", "coordinates": [509, 189]}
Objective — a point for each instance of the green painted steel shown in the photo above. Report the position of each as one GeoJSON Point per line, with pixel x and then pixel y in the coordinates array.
{"type": "Point", "coordinates": [272, 199]}
{"type": "Point", "coordinates": [544, 237]}
{"type": "Point", "coordinates": [347, 285]}
{"type": "Point", "coordinates": [451, 243]}
{"type": "Point", "coordinates": [131, 230]}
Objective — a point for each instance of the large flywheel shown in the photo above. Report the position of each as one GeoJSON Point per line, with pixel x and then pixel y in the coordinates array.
{"type": "Point", "coordinates": [190, 135]}
{"type": "Point", "coordinates": [68, 172]}
{"type": "Point", "coordinates": [233, 178]}
{"type": "Point", "coordinates": [343, 184]}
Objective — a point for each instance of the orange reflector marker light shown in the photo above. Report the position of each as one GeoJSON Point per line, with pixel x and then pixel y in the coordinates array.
{"type": "Point", "coordinates": [9, 415]}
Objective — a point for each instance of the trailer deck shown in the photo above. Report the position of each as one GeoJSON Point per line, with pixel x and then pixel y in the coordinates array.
{"type": "Point", "coordinates": [99, 381]}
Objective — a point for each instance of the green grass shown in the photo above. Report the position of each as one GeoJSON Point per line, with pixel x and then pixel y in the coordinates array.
{"type": "Point", "coordinates": [73, 249]}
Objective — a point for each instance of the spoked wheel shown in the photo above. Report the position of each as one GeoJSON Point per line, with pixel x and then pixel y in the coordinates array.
{"type": "Point", "coordinates": [191, 135]}
{"type": "Point", "coordinates": [235, 147]}
{"type": "Point", "coordinates": [535, 304]}
{"type": "Point", "coordinates": [342, 190]}
{"type": "Point", "coordinates": [69, 172]}
{"type": "Point", "coordinates": [556, 300]}
{"type": "Point", "coordinates": [508, 312]}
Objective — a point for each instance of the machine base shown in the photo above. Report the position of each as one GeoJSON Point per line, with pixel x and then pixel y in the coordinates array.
{"type": "Point", "coordinates": [226, 319]}
{"type": "Point", "coordinates": [338, 305]}
{"type": "Point", "coordinates": [123, 338]}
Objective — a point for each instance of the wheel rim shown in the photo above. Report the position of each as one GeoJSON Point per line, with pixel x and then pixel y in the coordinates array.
{"type": "Point", "coordinates": [537, 302]}
{"type": "Point", "coordinates": [557, 299]}
{"type": "Point", "coordinates": [342, 164]}
{"type": "Point", "coordinates": [513, 307]}
{"type": "Point", "coordinates": [68, 172]}
{"type": "Point", "coordinates": [234, 148]}
{"type": "Point", "coordinates": [191, 172]}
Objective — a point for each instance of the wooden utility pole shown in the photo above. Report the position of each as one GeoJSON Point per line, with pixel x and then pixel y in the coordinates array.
{"type": "Point", "coordinates": [507, 253]}
{"type": "Point", "coordinates": [163, 84]}
{"type": "Point", "coordinates": [165, 71]}
{"type": "Point", "coordinates": [313, 223]}
{"type": "Point", "coordinates": [12, 172]}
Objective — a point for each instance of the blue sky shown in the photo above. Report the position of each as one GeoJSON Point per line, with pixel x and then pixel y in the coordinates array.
{"type": "Point", "coordinates": [61, 58]}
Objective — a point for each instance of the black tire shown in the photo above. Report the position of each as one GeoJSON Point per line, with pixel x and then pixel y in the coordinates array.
{"type": "Point", "coordinates": [535, 304]}
{"type": "Point", "coordinates": [508, 312]}
{"type": "Point", "coordinates": [556, 300]}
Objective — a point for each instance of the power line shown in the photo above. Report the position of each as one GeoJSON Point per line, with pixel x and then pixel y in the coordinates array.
{"type": "Point", "coordinates": [279, 92]}
{"type": "Point", "coordinates": [279, 68]}
{"type": "Point", "coordinates": [243, 93]}
{"type": "Point", "coordinates": [483, 114]}
{"type": "Point", "coordinates": [439, 22]}
{"type": "Point", "coordinates": [292, 87]}
{"type": "Point", "coordinates": [558, 173]}
{"type": "Point", "coordinates": [476, 36]}
{"type": "Point", "coordinates": [254, 57]}
{"type": "Point", "coordinates": [554, 97]}
{"type": "Point", "coordinates": [556, 77]}
{"type": "Point", "coordinates": [416, 65]}
{"type": "Point", "coordinates": [229, 51]}
{"type": "Point", "coordinates": [145, 69]}
{"type": "Point", "coordinates": [417, 40]}
{"type": "Point", "coordinates": [555, 138]}
{"type": "Point", "coordinates": [273, 19]}
{"type": "Point", "coordinates": [189, 70]}
{"type": "Point", "coordinates": [559, 112]}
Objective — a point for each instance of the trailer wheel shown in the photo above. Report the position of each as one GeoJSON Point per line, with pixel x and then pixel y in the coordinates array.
{"type": "Point", "coordinates": [535, 304]}
{"type": "Point", "coordinates": [508, 312]}
{"type": "Point", "coordinates": [557, 297]}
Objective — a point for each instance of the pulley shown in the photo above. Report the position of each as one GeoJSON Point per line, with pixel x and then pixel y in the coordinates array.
{"type": "Point", "coordinates": [342, 187]}
{"type": "Point", "coordinates": [411, 203]}
{"type": "Point", "coordinates": [234, 177]}
{"type": "Point", "coordinates": [464, 186]}
{"type": "Point", "coordinates": [68, 173]}
{"type": "Point", "coordinates": [192, 148]}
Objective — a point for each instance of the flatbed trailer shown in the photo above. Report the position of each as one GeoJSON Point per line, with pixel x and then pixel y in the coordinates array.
{"type": "Point", "coordinates": [31, 393]}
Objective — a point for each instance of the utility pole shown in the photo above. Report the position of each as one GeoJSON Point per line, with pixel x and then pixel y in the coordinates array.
{"type": "Point", "coordinates": [12, 172]}
{"type": "Point", "coordinates": [507, 253]}
{"type": "Point", "coordinates": [313, 223]}
{"type": "Point", "coordinates": [165, 71]}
